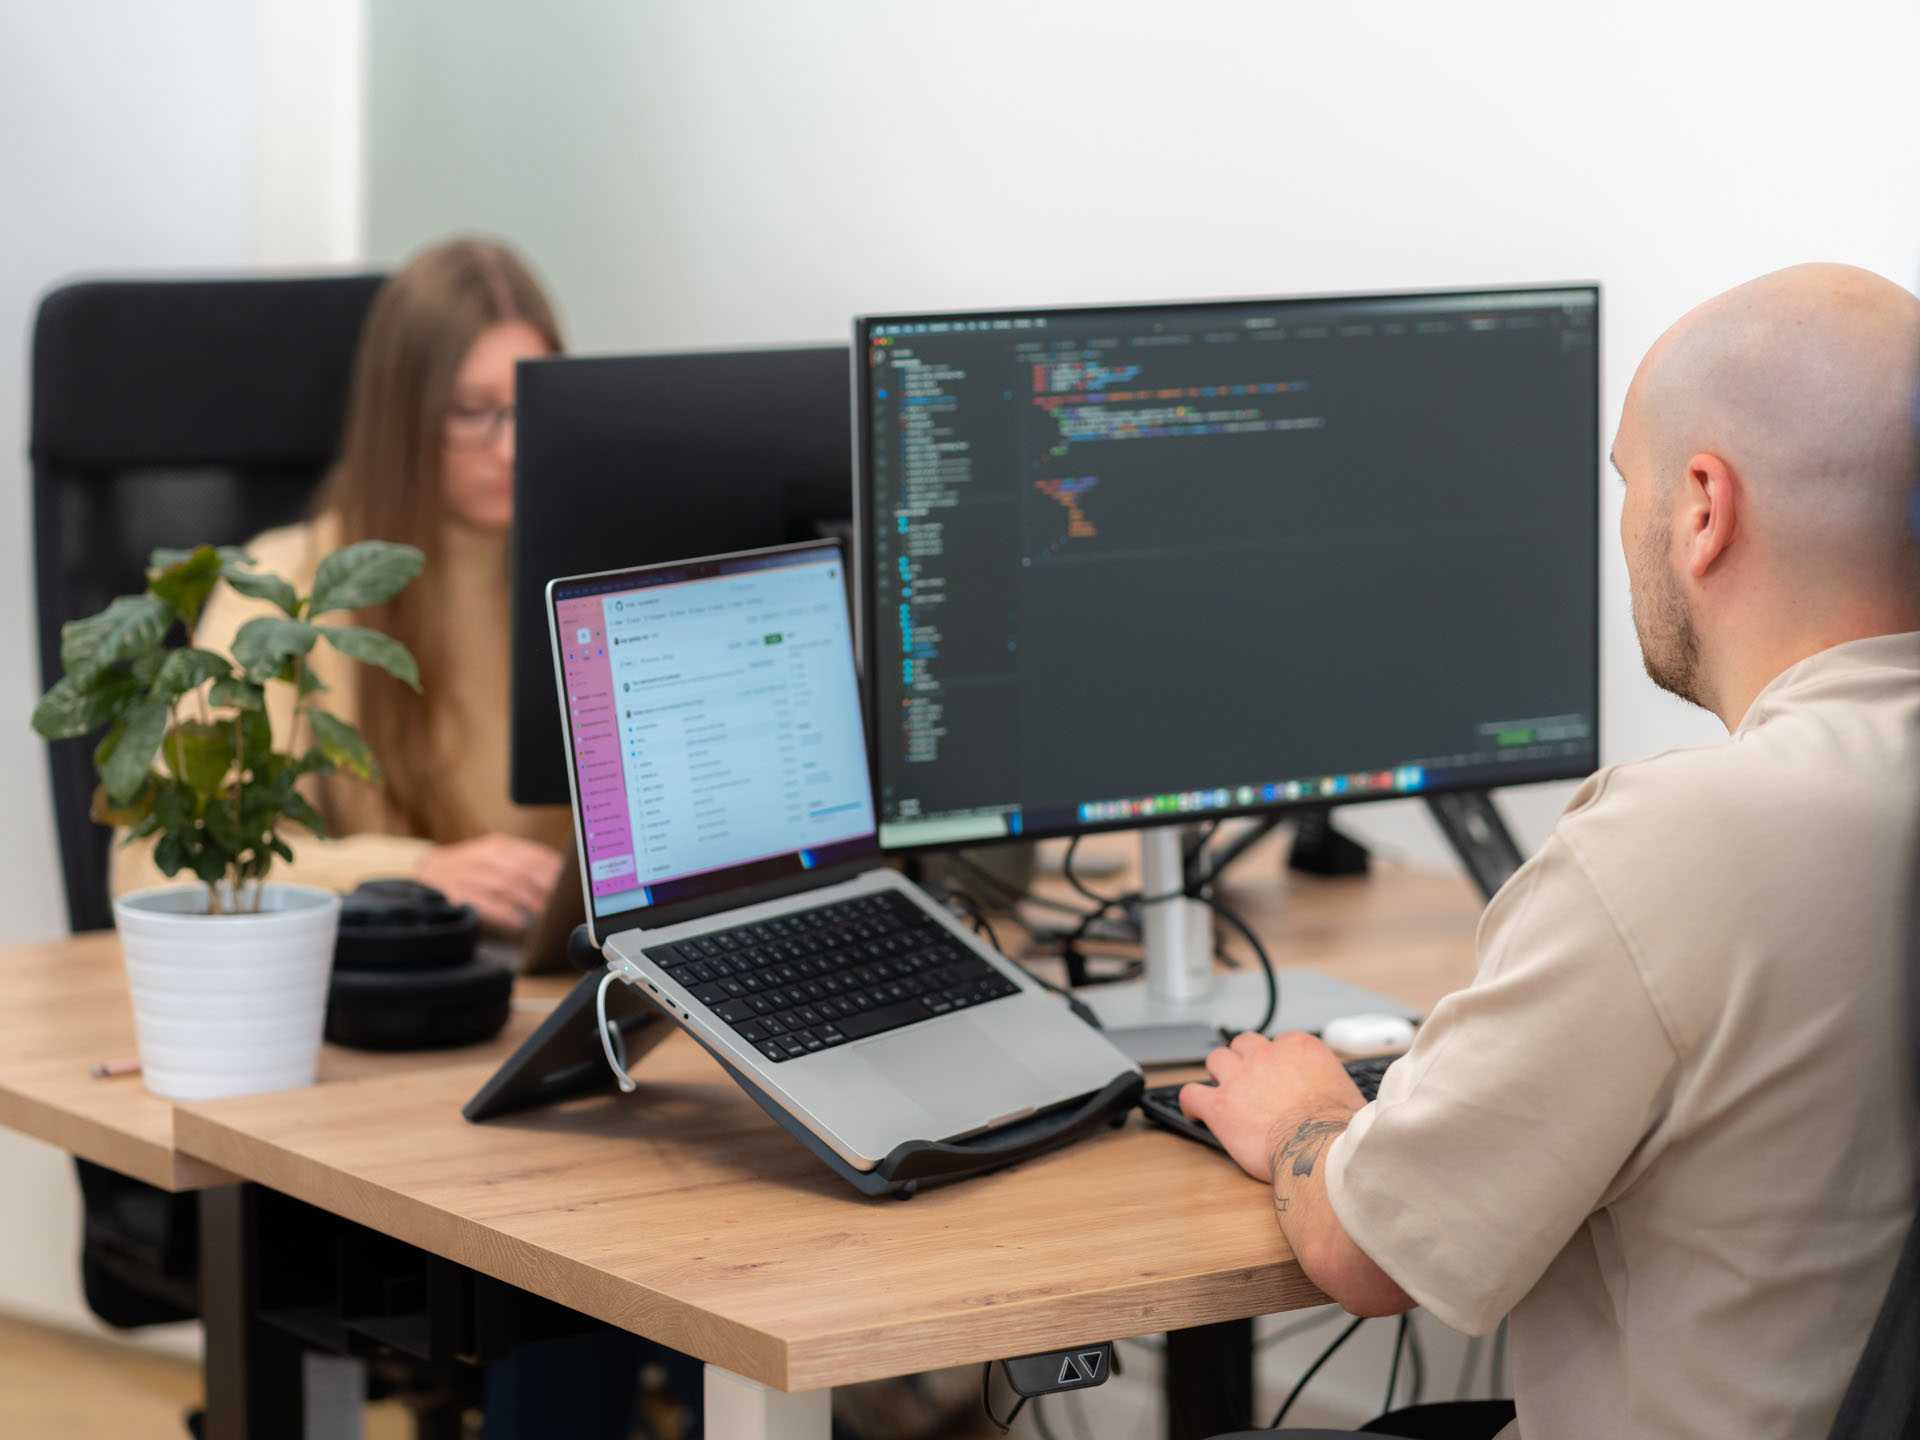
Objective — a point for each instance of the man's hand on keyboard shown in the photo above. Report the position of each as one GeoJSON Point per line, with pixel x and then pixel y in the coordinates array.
{"type": "Point", "coordinates": [1282, 1099]}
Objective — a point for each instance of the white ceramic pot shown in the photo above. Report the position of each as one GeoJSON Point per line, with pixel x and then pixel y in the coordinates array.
{"type": "Point", "coordinates": [228, 1004]}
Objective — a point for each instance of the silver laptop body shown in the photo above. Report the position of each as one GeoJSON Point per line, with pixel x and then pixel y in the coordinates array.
{"type": "Point", "coordinates": [722, 695]}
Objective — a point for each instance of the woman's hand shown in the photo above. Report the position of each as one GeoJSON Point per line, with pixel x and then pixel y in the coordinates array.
{"type": "Point", "coordinates": [507, 880]}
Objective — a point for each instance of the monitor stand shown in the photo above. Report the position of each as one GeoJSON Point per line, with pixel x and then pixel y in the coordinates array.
{"type": "Point", "coordinates": [1176, 1014]}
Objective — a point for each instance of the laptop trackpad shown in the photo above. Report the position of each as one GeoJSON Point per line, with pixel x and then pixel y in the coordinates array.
{"type": "Point", "coordinates": [956, 1073]}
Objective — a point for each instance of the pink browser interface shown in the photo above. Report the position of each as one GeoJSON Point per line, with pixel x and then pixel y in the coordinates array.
{"type": "Point", "coordinates": [593, 718]}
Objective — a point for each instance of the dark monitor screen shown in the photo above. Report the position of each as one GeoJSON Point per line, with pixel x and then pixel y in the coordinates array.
{"type": "Point", "coordinates": [1136, 564]}
{"type": "Point", "coordinates": [632, 460]}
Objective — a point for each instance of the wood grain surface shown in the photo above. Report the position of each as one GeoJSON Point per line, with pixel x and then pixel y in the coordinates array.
{"type": "Point", "coordinates": [680, 1212]}
{"type": "Point", "coordinates": [65, 1006]}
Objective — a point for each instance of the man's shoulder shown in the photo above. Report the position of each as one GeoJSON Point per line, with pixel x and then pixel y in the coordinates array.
{"type": "Point", "coordinates": [1639, 795]}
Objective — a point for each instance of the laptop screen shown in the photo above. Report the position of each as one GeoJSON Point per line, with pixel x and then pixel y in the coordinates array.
{"type": "Point", "coordinates": [713, 719]}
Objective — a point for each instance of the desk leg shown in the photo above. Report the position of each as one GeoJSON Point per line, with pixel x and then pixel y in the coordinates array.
{"type": "Point", "coordinates": [1209, 1380]}
{"type": "Point", "coordinates": [255, 1388]}
{"type": "Point", "coordinates": [741, 1409]}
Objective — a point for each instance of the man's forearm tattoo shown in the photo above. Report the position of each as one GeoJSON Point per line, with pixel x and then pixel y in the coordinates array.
{"type": "Point", "coordinates": [1304, 1146]}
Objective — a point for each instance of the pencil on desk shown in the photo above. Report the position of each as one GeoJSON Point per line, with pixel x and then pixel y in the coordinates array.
{"type": "Point", "coordinates": [108, 1069]}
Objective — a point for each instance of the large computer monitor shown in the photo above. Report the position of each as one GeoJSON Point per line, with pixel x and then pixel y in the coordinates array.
{"type": "Point", "coordinates": [1136, 565]}
{"type": "Point", "coordinates": [634, 459]}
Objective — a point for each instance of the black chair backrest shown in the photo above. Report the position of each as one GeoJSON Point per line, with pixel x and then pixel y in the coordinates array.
{"type": "Point", "coordinates": [169, 412]}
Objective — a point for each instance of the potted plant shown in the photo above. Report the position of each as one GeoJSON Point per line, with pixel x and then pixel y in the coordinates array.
{"type": "Point", "coordinates": [229, 975]}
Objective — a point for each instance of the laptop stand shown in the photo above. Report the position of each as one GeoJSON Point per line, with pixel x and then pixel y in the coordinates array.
{"type": "Point", "coordinates": [562, 1059]}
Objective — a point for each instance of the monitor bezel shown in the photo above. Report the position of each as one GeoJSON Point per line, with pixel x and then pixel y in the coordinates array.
{"type": "Point", "coordinates": [866, 577]}
{"type": "Point", "coordinates": [725, 897]}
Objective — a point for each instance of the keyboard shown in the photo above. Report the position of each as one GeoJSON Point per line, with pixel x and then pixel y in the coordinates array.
{"type": "Point", "coordinates": [814, 979]}
{"type": "Point", "coordinates": [1162, 1102]}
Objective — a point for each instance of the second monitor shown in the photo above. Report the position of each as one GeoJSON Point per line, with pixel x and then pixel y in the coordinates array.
{"type": "Point", "coordinates": [631, 459]}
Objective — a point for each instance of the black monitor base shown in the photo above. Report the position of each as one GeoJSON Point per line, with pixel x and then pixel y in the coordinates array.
{"type": "Point", "coordinates": [1319, 849]}
{"type": "Point", "coordinates": [1468, 818]}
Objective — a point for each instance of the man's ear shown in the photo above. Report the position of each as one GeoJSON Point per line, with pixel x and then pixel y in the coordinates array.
{"type": "Point", "coordinates": [1709, 513]}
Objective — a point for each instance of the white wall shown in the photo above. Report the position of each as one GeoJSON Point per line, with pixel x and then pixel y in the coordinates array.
{"type": "Point", "coordinates": [205, 136]}
{"type": "Point", "coordinates": [754, 170]}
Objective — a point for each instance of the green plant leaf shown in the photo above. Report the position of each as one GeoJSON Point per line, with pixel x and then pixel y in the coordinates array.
{"type": "Point", "coordinates": [188, 669]}
{"type": "Point", "coordinates": [170, 854]}
{"type": "Point", "coordinates": [69, 709]}
{"type": "Point", "coordinates": [104, 812]}
{"type": "Point", "coordinates": [301, 813]}
{"type": "Point", "coordinates": [129, 626]}
{"type": "Point", "coordinates": [310, 683]}
{"type": "Point", "coordinates": [236, 694]}
{"type": "Point", "coordinates": [185, 584]}
{"type": "Point", "coordinates": [268, 642]}
{"type": "Point", "coordinates": [210, 865]}
{"type": "Point", "coordinates": [130, 756]}
{"type": "Point", "coordinates": [342, 744]}
{"type": "Point", "coordinates": [174, 806]}
{"type": "Point", "coordinates": [201, 754]}
{"type": "Point", "coordinates": [263, 587]}
{"type": "Point", "coordinates": [374, 649]}
{"type": "Point", "coordinates": [280, 848]}
{"type": "Point", "coordinates": [369, 573]}
{"type": "Point", "coordinates": [256, 739]}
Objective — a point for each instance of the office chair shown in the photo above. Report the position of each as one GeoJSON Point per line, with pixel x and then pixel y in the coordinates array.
{"type": "Point", "coordinates": [164, 412]}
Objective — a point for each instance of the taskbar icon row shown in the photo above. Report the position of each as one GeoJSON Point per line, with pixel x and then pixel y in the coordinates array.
{"type": "Point", "coordinates": [1402, 780]}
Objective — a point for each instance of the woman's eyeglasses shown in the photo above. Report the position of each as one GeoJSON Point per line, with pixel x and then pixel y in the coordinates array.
{"type": "Point", "coordinates": [477, 427]}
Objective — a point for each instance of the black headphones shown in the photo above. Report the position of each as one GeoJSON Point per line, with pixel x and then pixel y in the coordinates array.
{"type": "Point", "coordinates": [406, 975]}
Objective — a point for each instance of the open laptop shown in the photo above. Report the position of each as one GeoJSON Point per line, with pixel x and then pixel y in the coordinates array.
{"type": "Point", "coordinates": [724, 817]}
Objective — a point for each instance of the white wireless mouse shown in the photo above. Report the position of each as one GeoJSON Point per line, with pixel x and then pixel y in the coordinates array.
{"type": "Point", "coordinates": [1367, 1034]}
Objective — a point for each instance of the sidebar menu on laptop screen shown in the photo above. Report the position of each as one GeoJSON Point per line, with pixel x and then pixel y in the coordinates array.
{"type": "Point", "coordinates": [715, 716]}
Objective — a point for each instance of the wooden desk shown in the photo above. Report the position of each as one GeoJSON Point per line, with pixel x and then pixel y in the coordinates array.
{"type": "Point", "coordinates": [683, 1214]}
{"type": "Point", "coordinates": [66, 1006]}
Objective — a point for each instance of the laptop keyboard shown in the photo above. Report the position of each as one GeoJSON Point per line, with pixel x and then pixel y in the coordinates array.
{"type": "Point", "coordinates": [813, 979]}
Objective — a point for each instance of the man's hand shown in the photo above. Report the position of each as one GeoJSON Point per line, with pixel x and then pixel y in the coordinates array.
{"type": "Point", "coordinates": [1277, 1107]}
{"type": "Point", "coordinates": [1285, 1097]}
{"type": "Point", "coordinates": [506, 879]}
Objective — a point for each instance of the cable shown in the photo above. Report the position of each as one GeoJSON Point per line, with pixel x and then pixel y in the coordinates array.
{"type": "Point", "coordinates": [1469, 1363]}
{"type": "Point", "coordinates": [978, 916]}
{"type": "Point", "coordinates": [1393, 1370]}
{"type": "Point", "coordinates": [610, 1037]}
{"type": "Point", "coordinates": [1012, 891]}
{"type": "Point", "coordinates": [1136, 897]}
{"type": "Point", "coordinates": [1299, 1327]}
{"type": "Point", "coordinates": [986, 1401]}
{"type": "Point", "coordinates": [1419, 1358]}
{"type": "Point", "coordinates": [1314, 1369]}
{"type": "Point", "coordinates": [1220, 908]}
{"type": "Point", "coordinates": [1074, 1003]}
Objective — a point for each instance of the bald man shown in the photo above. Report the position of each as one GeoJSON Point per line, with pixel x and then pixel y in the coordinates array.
{"type": "Point", "coordinates": [1669, 1127]}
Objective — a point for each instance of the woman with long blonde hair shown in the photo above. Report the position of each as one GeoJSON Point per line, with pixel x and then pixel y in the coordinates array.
{"type": "Point", "coordinates": [426, 459]}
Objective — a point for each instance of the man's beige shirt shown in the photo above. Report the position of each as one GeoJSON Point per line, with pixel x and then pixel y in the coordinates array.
{"type": "Point", "coordinates": [1669, 1126]}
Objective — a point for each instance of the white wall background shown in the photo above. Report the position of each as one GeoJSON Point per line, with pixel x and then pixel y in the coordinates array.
{"type": "Point", "coordinates": [211, 135]}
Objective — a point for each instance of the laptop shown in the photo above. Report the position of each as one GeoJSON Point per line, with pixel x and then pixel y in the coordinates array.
{"type": "Point", "coordinates": [731, 868]}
